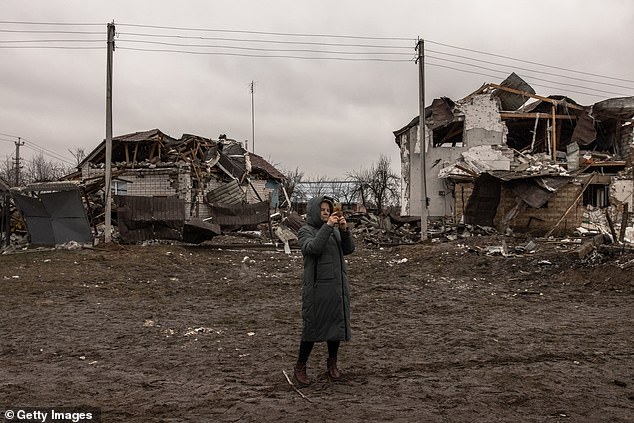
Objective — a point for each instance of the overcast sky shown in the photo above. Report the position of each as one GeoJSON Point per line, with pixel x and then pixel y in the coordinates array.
{"type": "Point", "coordinates": [325, 105]}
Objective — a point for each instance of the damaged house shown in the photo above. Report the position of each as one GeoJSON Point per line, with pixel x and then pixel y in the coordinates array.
{"type": "Point", "coordinates": [171, 188]}
{"type": "Point", "coordinates": [507, 157]}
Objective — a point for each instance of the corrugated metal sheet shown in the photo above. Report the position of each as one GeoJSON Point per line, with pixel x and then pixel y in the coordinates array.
{"type": "Point", "coordinates": [239, 216]}
{"type": "Point", "coordinates": [229, 193]}
{"type": "Point", "coordinates": [144, 218]}
{"type": "Point", "coordinates": [55, 218]}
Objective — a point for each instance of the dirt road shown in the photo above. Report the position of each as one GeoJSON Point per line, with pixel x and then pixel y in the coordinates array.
{"type": "Point", "coordinates": [441, 333]}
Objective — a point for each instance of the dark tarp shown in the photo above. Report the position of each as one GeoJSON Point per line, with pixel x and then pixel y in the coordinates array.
{"type": "Point", "coordinates": [584, 132]}
{"type": "Point", "coordinates": [196, 231]}
{"type": "Point", "coordinates": [441, 112]}
{"type": "Point", "coordinates": [537, 191]}
{"type": "Point", "coordinates": [510, 101]}
{"type": "Point", "coordinates": [239, 216]}
{"type": "Point", "coordinates": [55, 218]}
{"type": "Point", "coordinates": [144, 218]}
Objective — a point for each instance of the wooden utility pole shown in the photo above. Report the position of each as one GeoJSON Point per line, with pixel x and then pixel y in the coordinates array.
{"type": "Point", "coordinates": [420, 46]}
{"type": "Point", "coordinates": [108, 175]}
{"type": "Point", "coordinates": [18, 166]}
{"type": "Point", "coordinates": [252, 118]}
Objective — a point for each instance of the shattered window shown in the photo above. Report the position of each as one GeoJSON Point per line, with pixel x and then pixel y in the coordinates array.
{"type": "Point", "coordinates": [119, 188]}
{"type": "Point", "coordinates": [596, 195]}
{"type": "Point", "coordinates": [449, 135]}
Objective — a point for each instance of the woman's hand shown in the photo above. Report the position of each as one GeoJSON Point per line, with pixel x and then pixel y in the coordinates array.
{"type": "Point", "coordinates": [332, 220]}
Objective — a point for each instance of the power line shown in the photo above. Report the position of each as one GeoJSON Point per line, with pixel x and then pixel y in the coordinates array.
{"type": "Point", "coordinates": [530, 62]}
{"type": "Point", "coordinates": [53, 153]}
{"type": "Point", "coordinates": [261, 49]}
{"type": "Point", "coordinates": [533, 77]}
{"type": "Point", "coordinates": [264, 55]}
{"type": "Point", "coordinates": [53, 47]}
{"type": "Point", "coordinates": [237, 31]}
{"type": "Point", "coordinates": [261, 41]}
{"type": "Point", "coordinates": [494, 76]}
{"type": "Point", "coordinates": [30, 31]}
{"type": "Point", "coordinates": [51, 41]}
{"type": "Point", "coordinates": [38, 150]}
{"type": "Point", "coordinates": [305, 39]}
{"type": "Point", "coordinates": [526, 69]}
{"type": "Point", "coordinates": [51, 23]}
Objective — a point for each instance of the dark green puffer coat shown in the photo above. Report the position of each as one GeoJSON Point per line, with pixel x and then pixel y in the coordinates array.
{"type": "Point", "coordinates": [325, 292]}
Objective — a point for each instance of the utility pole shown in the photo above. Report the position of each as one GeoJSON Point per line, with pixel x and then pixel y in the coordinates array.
{"type": "Point", "coordinates": [252, 119]}
{"type": "Point", "coordinates": [17, 143]}
{"type": "Point", "coordinates": [108, 175]}
{"type": "Point", "coordinates": [420, 47]}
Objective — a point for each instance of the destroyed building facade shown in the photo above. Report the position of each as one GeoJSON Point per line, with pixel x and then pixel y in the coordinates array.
{"type": "Point", "coordinates": [507, 157]}
{"type": "Point", "coordinates": [159, 183]}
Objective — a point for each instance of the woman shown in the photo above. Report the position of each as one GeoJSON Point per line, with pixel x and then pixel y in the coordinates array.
{"type": "Point", "coordinates": [324, 240]}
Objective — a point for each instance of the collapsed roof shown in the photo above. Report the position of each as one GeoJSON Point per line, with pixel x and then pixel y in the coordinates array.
{"type": "Point", "coordinates": [155, 148]}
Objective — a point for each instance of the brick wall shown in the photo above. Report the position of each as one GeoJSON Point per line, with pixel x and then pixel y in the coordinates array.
{"type": "Point", "coordinates": [537, 221]}
{"type": "Point", "coordinates": [540, 221]}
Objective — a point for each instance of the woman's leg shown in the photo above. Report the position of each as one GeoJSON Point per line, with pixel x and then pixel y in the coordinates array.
{"type": "Point", "coordinates": [333, 348]}
{"type": "Point", "coordinates": [305, 348]}
{"type": "Point", "coordinates": [333, 371]}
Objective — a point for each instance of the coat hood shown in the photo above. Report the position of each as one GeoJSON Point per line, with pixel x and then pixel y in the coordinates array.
{"type": "Point", "coordinates": [313, 210]}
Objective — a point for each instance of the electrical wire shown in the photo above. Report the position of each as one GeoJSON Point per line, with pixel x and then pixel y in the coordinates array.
{"type": "Point", "coordinates": [65, 161]}
{"type": "Point", "coordinates": [52, 41]}
{"type": "Point", "coordinates": [286, 34]}
{"type": "Point", "coordinates": [262, 41]}
{"type": "Point", "coordinates": [529, 62]}
{"type": "Point", "coordinates": [527, 69]}
{"type": "Point", "coordinates": [262, 49]}
{"type": "Point", "coordinates": [171, 29]}
{"type": "Point", "coordinates": [532, 77]}
{"type": "Point", "coordinates": [50, 23]}
{"type": "Point", "coordinates": [494, 76]}
{"type": "Point", "coordinates": [29, 31]}
{"type": "Point", "coordinates": [35, 146]}
{"type": "Point", "coordinates": [264, 55]}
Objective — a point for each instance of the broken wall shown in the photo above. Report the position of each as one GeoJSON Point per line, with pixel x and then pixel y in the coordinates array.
{"type": "Point", "coordinates": [482, 123]}
{"type": "Point", "coordinates": [537, 220]}
{"type": "Point", "coordinates": [483, 128]}
{"type": "Point", "coordinates": [622, 192]}
{"type": "Point", "coordinates": [543, 219]}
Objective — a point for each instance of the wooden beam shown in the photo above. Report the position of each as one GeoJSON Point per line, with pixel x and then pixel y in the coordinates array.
{"type": "Point", "coordinates": [136, 148]}
{"type": "Point", "coordinates": [539, 97]}
{"type": "Point", "coordinates": [512, 115]}
{"type": "Point", "coordinates": [554, 132]}
{"type": "Point", "coordinates": [127, 153]}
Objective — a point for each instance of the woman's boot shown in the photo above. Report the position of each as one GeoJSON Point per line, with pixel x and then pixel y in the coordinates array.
{"type": "Point", "coordinates": [300, 374]}
{"type": "Point", "coordinates": [333, 372]}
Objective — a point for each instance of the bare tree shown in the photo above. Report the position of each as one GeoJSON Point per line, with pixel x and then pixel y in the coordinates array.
{"type": "Point", "coordinates": [40, 170]}
{"type": "Point", "coordinates": [78, 153]}
{"type": "Point", "coordinates": [293, 178]}
{"type": "Point", "coordinates": [7, 170]}
{"type": "Point", "coordinates": [378, 184]}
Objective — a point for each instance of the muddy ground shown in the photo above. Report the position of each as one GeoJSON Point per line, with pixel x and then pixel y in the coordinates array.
{"type": "Point", "coordinates": [442, 333]}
